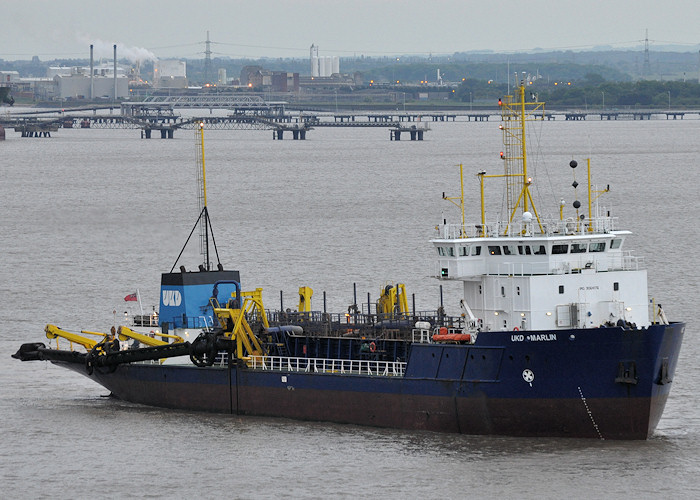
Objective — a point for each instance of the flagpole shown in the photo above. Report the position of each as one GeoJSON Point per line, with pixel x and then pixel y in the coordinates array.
{"type": "Point", "coordinates": [138, 297]}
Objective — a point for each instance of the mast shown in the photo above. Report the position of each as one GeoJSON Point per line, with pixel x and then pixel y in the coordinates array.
{"type": "Point", "coordinates": [451, 199]}
{"type": "Point", "coordinates": [203, 221]}
{"type": "Point", "coordinates": [514, 115]}
{"type": "Point", "coordinates": [202, 196]}
{"type": "Point", "coordinates": [591, 199]}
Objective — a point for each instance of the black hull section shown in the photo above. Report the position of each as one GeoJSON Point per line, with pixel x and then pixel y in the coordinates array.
{"type": "Point", "coordinates": [465, 411]}
{"type": "Point", "coordinates": [597, 383]}
{"type": "Point", "coordinates": [579, 390]}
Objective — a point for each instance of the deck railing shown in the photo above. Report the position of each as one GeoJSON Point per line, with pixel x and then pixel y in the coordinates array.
{"type": "Point", "coordinates": [324, 365]}
{"type": "Point", "coordinates": [596, 225]}
{"type": "Point", "coordinates": [377, 325]}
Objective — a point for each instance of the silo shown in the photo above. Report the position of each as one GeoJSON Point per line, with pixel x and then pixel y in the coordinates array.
{"type": "Point", "coordinates": [336, 64]}
{"type": "Point", "coordinates": [313, 57]}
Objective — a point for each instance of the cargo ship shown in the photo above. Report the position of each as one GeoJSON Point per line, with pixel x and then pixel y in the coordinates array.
{"type": "Point", "coordinates": [557, 335]}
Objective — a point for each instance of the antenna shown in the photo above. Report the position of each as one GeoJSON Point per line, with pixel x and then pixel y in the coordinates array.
{"type": "Point", "coordinates": [647, 68]}
{"type": "Point", "coordinates": [207, 60]}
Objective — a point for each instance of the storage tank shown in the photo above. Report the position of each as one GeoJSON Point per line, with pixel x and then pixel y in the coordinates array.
{"type": "Point", "coordinates": [336, 65]}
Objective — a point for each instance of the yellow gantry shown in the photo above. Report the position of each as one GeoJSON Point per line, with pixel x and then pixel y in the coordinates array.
{"type": "Point", "coordinates": [254, 302]}
{"type": "Point", "coordinates": [236, 327]}
{"type": "Point", "coordinates": [305, 294]}
{"type": "Point", "coordinates": [392, 300]}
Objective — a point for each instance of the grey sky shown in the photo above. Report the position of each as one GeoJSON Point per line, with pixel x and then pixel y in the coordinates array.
{"type": "Point", "coordinates": [276, 28]}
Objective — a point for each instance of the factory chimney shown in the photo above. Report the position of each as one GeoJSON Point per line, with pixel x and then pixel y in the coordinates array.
{"type": "Point", "coordinates": [115, 71]}
{"type": "Point", "coordinates": [92, 75]}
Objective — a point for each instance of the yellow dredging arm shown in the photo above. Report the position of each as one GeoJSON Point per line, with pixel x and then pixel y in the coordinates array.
{"type": "Point", "coordinates": [54, 332]}
{"type": "Point", "coordinates": [127, 333]}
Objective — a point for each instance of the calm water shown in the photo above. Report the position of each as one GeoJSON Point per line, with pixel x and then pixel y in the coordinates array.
{"type": "Point", "coordinates": [89, 216]}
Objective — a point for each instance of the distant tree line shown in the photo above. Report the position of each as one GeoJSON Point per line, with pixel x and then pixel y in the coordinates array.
{"type": "Point", "coordinates": [594, 91]}
{"type": "Point", "coordinates": [477, 80]}
{"type": "Point", "coordinates": [455, 72]}
{"type": "Point", "coordinates": [643, 93]}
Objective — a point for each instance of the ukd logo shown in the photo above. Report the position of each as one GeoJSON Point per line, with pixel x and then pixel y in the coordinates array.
{"type": "Point", "coordinates": [172, 298]}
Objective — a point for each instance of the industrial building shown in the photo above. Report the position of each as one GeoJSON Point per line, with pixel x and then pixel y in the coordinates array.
{"type": "Point", "coordinates": [78, 84]}
{"type": "Point", "coordinates": [323, 66]}
{"type": "Point", "coordinates": [170, 73]}
{"type": "Point", "coordinates": [276, 81]}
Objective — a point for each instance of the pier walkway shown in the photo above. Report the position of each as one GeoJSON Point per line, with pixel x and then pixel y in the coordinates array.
{"type": "Point", "coordinates": [158, 115]}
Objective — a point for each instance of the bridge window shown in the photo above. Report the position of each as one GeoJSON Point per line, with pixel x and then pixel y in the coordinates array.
{"type": "Point", "coordinates": [539, 250]}
{"type": "Point", "coordinates": [560, 249]}
{"type": "Point", "coordinates": [441, 251]}
{"type": "Point", "coordinates": [451, 251]}
{"type": "Point", "coordinates": [615, 244]}
{"type": "Point", "coordinates": [508, 250]}
{"type": "Point", "coordinates": [494, 250]}
{"type": "Point", "coordinates": [463, 251]}
{"type": "Point", "coordinates": [524, 250]}
{"type": "Point", "coordinates": [597, 247]}
{"type": "Point", "coordinates": [476, 250]}
{"type": "Point", "coordinates": [578, 248]}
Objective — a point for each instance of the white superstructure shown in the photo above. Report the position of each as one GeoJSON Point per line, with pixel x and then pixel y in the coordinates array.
{"type": "Point", "coordinates": [559, 279]}
{"type": "Point", "coordinates": [533, 274]}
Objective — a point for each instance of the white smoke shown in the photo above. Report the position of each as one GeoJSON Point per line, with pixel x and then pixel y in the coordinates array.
{"type": "Point", "coordinates": [105, 50]}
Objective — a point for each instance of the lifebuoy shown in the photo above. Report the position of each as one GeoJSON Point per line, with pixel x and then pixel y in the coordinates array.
{"type": "Point", "coordinates": [516, 329]}
{"type": "Point", "coordinates": [372, 347]}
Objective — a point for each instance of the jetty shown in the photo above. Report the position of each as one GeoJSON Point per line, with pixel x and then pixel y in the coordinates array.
{"type": "Point", "coordinates": [159, 116]}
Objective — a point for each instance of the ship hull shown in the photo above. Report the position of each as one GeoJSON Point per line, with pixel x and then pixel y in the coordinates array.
{"type": "Point", "coordinates": [598, 383]}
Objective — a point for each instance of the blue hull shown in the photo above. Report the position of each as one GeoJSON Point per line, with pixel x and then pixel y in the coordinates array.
{"type": "Point", "coordinates": [605, 383]}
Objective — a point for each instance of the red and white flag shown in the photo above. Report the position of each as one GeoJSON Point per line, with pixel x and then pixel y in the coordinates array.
{"type": "Point", "coordinates": [131, 298]}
